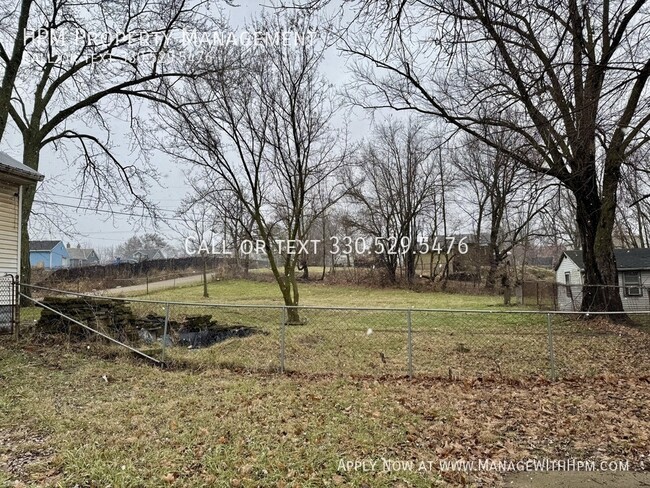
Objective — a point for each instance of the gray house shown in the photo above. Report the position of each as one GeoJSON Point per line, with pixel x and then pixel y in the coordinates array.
{"type": "Point", "coordinates": [633, 278]}
{"type": "Point", "coordinates": [78, 257]}
{"type": "Point", "coordinates": [13, 177]}
{"type": "Point", "coordinates": [147, 255]}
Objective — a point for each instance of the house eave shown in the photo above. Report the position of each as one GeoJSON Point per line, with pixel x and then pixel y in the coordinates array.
{"type": "Point", "coordinates": [19, 177]}
{"type": "Point", "coordinates": [562, 258]}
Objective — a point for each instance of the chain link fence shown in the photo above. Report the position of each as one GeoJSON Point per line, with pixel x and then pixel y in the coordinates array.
{"type": "Point", "coordinates": [456, 344]}
{"type": "Point", "coordinates": [7, 304]}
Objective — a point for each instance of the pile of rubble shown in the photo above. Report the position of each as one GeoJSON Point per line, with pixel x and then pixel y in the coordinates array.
{"type": "Point", "coordinates": [115, 318]}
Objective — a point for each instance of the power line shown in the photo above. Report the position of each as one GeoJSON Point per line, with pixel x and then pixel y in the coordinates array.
{"type": "Point", "coordinates": [91, 201]}
{"type": "Point", "coordinates": [99, 210]}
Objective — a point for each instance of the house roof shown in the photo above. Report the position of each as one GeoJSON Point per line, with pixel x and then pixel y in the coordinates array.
{"type": "Point", "coordinates": [147, 253]}
{"type": "Point", "coordinates": [42, 245]}
{"type": "Point", "coordinates": [541, 261]}
{"type": "Point", "coordinates": [81, 254]}
{"type": "Point", "coordinates": [13, 167]}
{"type": "Point", "coordinates": [626, 259]}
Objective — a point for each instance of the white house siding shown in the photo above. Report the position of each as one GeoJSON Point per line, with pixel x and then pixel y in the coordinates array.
{"type": "Point", "coordinates": [8, 250]}
{"type": "Point", "coordinates": [9, 258]}
{"type": "Point", "coordinates": [636, 303]}
{"type": "Point", "coordinates": [564, 301]}
{"type": "Point", "coordinates": [572, 302]}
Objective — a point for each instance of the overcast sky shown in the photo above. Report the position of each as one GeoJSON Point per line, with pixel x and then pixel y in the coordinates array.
{"type": "Point", "coordinates": [101, 230]}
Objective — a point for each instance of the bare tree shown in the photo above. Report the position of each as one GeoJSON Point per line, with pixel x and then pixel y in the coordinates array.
{"type": "Point", "coordinates": [558, 220]}
{"type": "Point", "coordinates": [106, 254]}
{"type": "Point", "coordinates": [632, 227]}
{"type": "Point", "coordinates": [503, 195]}
{"type": "Point", "coordinates": [14, 37]}
{"type": "Point", "coordinates": [440, 218]}
{"type": "Point", "coordinates": [198, 223]}
{"type": "Point", "coordinates": [573, 74]}
{"type": "Point", "coordinates": [393, 186]}
{"type": "Point", "coordinates": [261, 125]}
{"type": "Point", "coordinates": [76, 68]}
{"type": "Point", "coordinates": [137, 243]}
{"type": "Point", "coordinates": [230, 220]}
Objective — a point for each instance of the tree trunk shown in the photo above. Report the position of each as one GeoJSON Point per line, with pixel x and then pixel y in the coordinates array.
{"type": "Point", "coordinates": [205, 276]}
{"type": "Point", "coordinates": [410, 259]}
{"type": "Point", "coordinates": [31, 160]}
{"type": "Point", "coordinates": [491, 279]}
{"type": "Point", "coordinates": [322, 276]}
{"type": "Point", "coordinates": [290, 295]}
{"type": "Point", "coordinates": [391, 271]}
{"type": "Point", "coordinates": [304, 267]}
{"type": "Point", "coordinates": [288, 285]}
{"type": "Point", "coordinates": [595, 219]}
{"type": "Point", "coordinates": [498, 204]}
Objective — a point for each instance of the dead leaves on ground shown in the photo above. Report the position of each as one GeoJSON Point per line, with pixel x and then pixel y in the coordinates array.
{"type": "Point", "coordinates": [241, 430]}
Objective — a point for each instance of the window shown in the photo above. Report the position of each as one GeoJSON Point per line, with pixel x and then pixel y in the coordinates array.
{"type": "Point", "coordinates": [567, 282]}
{"type": "Point", "coordinates": [632, 284]}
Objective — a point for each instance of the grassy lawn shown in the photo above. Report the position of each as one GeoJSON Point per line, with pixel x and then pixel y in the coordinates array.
{"type": "Point", "coordinates": [488, 343]}
{"type": "Point", "coordinates": [238, 291]}
{"type": "Point", "coordinates": [86, 414]}
{"type": "Point", "coordinates": [69, 418]}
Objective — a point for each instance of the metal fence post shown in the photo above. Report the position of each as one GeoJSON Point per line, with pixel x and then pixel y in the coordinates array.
{"type": "Point", "coordinates": [16, 306]}
{"type": "Point", "coordinates": [283, 324]}
{"type": "Point", "coordinates": [410, 343]}
{"type": "Point", "coordinates": [164, 337]}
{"type": "Point", "coordinates": [551, 353]}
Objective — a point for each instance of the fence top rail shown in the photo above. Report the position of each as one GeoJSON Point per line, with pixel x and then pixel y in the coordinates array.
{"type": "Point", "coordinates": [339, 308]}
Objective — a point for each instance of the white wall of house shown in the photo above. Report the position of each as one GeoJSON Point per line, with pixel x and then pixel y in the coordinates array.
{"type": "Point", "coordinates": [9, 249]}
{"type": "Point", "coordinates": [13, 175]}
{"type": "Point", "coordinates": [571, 300]}
{"type": "Point", "coordinates": [568, 300]}
{"type": "Point", "coordinates": [641, 302]}
{"type": "Point", "coordinates": [9, 226]}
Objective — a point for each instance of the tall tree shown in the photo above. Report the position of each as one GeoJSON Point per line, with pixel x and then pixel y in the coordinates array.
{"type": "Point", "coordinates": [231, 221]}
{"type": "Point", "coordinates": [261, 124]}
{"type": "Point", "coordinates": [503, 196]}
{"type": "Point", "coordinates": [14, 37]}
{"type": "Point", "coordinates": [75, 68]}
{"type": "Point", "coordinates": [393, 186]}
{"type": "Point", "coordinates": [575, 76]}
{"type": "Point", "coordinates": [137, 243]}
{"type": "Point", "coordinates": [198, 222]}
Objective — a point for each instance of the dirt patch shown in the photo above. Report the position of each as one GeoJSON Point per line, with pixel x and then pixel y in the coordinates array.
{"type": "Point", "coordinates": [26, 456]}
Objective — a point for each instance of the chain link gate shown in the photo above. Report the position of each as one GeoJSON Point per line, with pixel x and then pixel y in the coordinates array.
{"type": "Point", "coordinates": [7, 304]}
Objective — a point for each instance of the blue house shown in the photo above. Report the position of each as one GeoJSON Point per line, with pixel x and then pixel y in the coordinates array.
{"type": "Point", "coordinates": [48, 254]}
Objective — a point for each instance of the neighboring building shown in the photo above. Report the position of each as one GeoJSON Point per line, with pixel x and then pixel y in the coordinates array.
{"type": "Point", "coordinates": [78, 257]}
{"type": "Point", "coordinates": [147, 255]}
{"type": "Point", "coordinates": [477, 253]}
{"type": "Point", "coordinates": [48, 254]}
{"type": "Point", "coordinates": [633, 267]}
{"type": "Point", "coordinates": [541, 261]}
{"type": "Point", "coordinates": [13, 177]}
